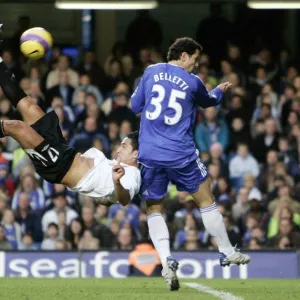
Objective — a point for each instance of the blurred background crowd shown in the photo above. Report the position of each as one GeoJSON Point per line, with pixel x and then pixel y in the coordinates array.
{"type": "Point", "coordinates": [250, 145]}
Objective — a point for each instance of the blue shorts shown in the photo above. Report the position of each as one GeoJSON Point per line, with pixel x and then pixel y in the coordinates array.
{"type": "Point", "coordinates": [155, 181]}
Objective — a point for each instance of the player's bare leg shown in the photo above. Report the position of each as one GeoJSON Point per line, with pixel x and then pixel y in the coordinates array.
{"type": "Point", "coordinates": [214, 224]}
{"type": "Point", "coordinates": [29, 110]}
{"type": "Point", "coordinates": [160, 237]}
{"type": "Point", "coordinates": [25, 135]}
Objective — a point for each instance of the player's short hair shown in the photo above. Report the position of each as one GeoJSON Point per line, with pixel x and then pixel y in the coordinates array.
{"type": "Point", "coordinates": [181, 45]}
{"type": "Point", "coordinates": [134, 136]}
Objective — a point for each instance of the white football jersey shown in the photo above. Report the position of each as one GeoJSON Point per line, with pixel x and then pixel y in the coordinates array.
{"type": "Point", "coordinates": [98, 181]}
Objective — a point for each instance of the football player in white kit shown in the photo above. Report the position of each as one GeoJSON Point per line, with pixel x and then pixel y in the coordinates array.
{"type": "Point", "coordinates": [40, 136]}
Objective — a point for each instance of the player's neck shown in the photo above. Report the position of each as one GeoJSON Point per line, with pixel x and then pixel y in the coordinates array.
{"type": "Point", "coordinates": [177, 63]}
{"type": "Point", "coordinates": [135, 164]}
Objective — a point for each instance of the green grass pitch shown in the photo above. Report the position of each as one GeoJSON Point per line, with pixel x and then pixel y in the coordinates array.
{"type": "Point", "coordinates": [143, 289]}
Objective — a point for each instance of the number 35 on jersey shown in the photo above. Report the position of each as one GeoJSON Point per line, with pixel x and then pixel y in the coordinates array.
{"type": "Point", "coordinates": [173, 102]}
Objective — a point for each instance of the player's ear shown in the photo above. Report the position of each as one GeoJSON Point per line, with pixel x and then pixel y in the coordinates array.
{"type": "Point", "coordinates": [183, 56]}
{"type": "Point", "coordinates": [135, 154]}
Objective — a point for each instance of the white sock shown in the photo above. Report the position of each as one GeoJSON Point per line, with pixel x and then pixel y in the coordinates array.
{"type": "Point", "coordinates": [160, 237]}
{"type": "Point", "coordinates": [214, 224]}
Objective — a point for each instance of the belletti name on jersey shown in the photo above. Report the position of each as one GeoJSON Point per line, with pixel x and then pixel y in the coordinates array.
{"type": "Point", "coordinates": [169, 77]}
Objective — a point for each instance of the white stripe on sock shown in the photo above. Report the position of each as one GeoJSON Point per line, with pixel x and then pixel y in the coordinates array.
{"type": "Point", "coordinates": [211, 207]}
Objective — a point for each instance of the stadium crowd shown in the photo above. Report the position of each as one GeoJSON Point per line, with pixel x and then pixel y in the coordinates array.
{"type": "Point", "coordinates": [250, 145]}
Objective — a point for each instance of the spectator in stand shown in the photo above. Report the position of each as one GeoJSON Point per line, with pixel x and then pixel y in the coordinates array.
{"type": "Point", "coordinates": [249, 223]}
{"type": "Point", "coordinates": [125, 129]}
{"type": "Point", "coordinates": [212, 129]}
{"type": "Point", "coordinates": [254, 244]}
{"type": "Point", "coordinates": [93, 111]}
{"type": "Point", "coordinates": [4, 243]}
{"type": "Point", "coordinates": [188, 212]}
{"type": "Point", "coordinates": [83, 141]}
{"type": "Point", "coordinates": [27, 243]}
{"type": "Point", "coordinates": [90, 66]}
{"type": "Point", "coordinates": [68, 112]}
{"type": "Point", "coordinates": [74, 233]}
{"type": "Point", "coordinates": [79, 105]}
{"type": "Point", "coordinates": [99, 231]}
{"type": "Point", "coordinates": [237, 109]}
{"type": "Point", "coordinates": [63, 89]}
{"type": "Point", "coordinates": [241, 207]}
{"type": "Point", "coordinates": [240, 165]}
{"type": "Point", "coordinates": [125, 240]}
{"type": "Point", "coordinates": [12, 228]}
{"type": "Point", "coordinates": [109, 103]}
{"type": "Point", "coordinates": [263, 143]}
{"type": "Point", "coordinates": [88, 242]}
{"type": "Point", "coordinates": [286, 101]}
{"type": "Point", "coordinates": [28, 219]}
{"type": "Point", "coordinates": [293, 119]}
{"type": "Point", "coordinates": [283, 212]}
{"type": "Point", "coordinates": [3, 203]}
{"type": "Point", "coordinates": [36, 195]}
{"type": "Point", "coordinates": [63, 65]}
{"type": "Point", "coordinates": [5, 179]}
{"type": "Point", "coordinates": [222, 193]}
{"type": "Point", "coordinates": [113, 132]}
{"type": "Point", "coordinates": [232, 231]}
{"type": "Point", "coordinates": [235, 58]}
{"type": "Point", "coordinates": [12, 64]}
{"type": "Point", "coordinates": [218, 157]}
{"type": "Point", "coordinates": [86, 86]}
{"type": "Point", "coordinates": [239, 134]}
{"type": "Point", "coordinates": [131, 214]}
{"type": "Point", "coordinates": [51, 237]}
{"type": "Point", "coordinates": [250, 184]}
{"type": "Point", "coordinates": [286, 228]}
{"type": "Point", "coordinates": [267, 173]}
{"type": "Point", "coordinates": [284, 200]}
{"type": "Point", "coordinates": [114, 75]}
{"type": "Point", "coordinates": [128, 70]}
{"type": "Point", "coordinates": [121, 112]}
{"type": "Point", "coordinates": [288, 155]}
{"type": "Point", "coordinates": [60, 206]}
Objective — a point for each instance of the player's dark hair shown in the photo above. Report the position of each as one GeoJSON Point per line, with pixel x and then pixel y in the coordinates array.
{"type": "Point", "coordinates": [181, 45]}
{"type": "Point", "coordinates": [134, 136]}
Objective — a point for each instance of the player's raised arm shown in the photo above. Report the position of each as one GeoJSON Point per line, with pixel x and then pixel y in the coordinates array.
{"type": "Point", "coordinates": [138, 98]}
{"type": "Point", "coordinates": [213, 98]}
{"type": "Point", "coordinates": [122, 194]}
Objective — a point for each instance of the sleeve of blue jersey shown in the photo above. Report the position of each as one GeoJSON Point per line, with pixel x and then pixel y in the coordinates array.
{"type": "Point", "coordinates": [138, 98]}
{"type": "Point", "coordinates": [207, 99]}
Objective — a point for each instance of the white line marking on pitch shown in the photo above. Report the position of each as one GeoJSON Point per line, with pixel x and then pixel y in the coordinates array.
{"type": "Point", "coordinates": [206, 289]}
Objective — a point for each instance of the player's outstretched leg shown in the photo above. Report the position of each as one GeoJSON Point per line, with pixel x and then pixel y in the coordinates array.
{"type": "Point", "coordinates": [30, 111]}
{"type": "Point", "coordinates": [214, 224]}
{"type": "Point", "coordinates": [24, 134]}
{"type": "Point", "coordinates": [159, 233]}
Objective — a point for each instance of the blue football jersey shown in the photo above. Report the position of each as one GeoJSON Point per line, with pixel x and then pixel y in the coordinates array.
{"type": "Point", "coordinates": [167, 97]}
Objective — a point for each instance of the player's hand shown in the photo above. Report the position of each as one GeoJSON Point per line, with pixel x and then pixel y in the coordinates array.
{"type": "Point", "coordinates": [224, 86]}
{"type": "Point", "coordinates": [117, 172]}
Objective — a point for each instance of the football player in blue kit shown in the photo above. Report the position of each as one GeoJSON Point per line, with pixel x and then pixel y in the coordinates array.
{"type": "Point", "coordinates": [167, 98]}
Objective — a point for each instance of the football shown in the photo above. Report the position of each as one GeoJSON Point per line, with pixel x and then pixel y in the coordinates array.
{"type": "Point", "coordinates": [35, 42]}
